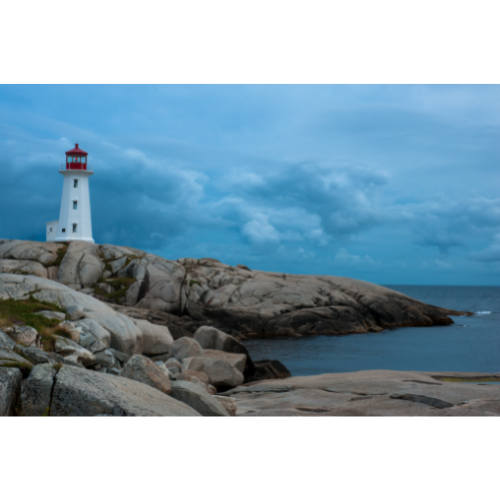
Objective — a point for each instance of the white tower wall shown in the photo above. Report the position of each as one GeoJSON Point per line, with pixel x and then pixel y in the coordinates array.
{"type": "Point", "coordinates": [69, 215]}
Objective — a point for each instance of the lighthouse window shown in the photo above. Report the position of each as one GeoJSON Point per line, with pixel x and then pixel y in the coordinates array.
{"type": "Point", "coordinates": [64, 230]}
{"type": "Point", "coordinates": [75, 205]}
{"type": "Point", "coordinates": [84, 160]}
{"type": "Point", "coordinates": [75, 183]}
{"type": "Point", "coordinates": [74, 228]}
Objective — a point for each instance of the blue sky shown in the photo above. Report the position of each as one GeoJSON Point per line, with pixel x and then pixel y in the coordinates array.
{"type": "Point", "coordinates": [394, 184]}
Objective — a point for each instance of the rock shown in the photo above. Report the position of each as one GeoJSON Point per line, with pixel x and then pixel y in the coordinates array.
{"type": "Point", "coordinates": [10, 391]}
{"type": "Point", "coordinates": [77, 392]}
{"type": "Point", "coordinates": [35, 355]}
{"type": "Point", "coordinates": [370, 392]}
{"type": "Point", "coordinates": [235, 298]}
{"type": "Point", "coordinates": [25, 335]}
{"type": "Point", "coordinates": [37, 390]}
{"type": "Point", "coordinates": [185, 348]}
{"type": "Point", "coordinates": [212, 338]}
{"type": "Point", "coordinates": [220, 373]}
{"type": "Point", "coordinates": [236, 360]}
{"type": "Point", "coordinates": [52, 315]}
{"type": "Point", "coordinates": [73, 351]}
{"type": "Point", "coordinates": [81, 264]}
{"type": "Point", "coordinates": [163, 368]}
{"type": "Point", "coordinates": [114, 371]}
{"type": "Point", "coordinates": [197, 398]}
{"type": "Point", "coordinates": [269, 369]}
{"type": "Point", "coordinates": [22, 267]}
{"type": "Point", "coordinates": [144, 370]}
{"type": "Point", "coordinates": [105, 358]}
{"type": "Point", "coordinates": [73, 331]}
{"type": "Point", "coordinates": [120, 356]}
{"type": "Point", "coordinates": [173, 363]}
{"type": "Point", "coordinates": [10, 359]}
{"type": "Point", "coordinates": [92, 335]}
{"type": "Point", "coordinates": [156, 339]}
{"type": "Point", "coordinates": [228, 403]}
{"type": "Point", "coordinates": [123, 334]}
{"type": "Point", "coordinates": [6, 342]}
{"type": "Point", "coordinates": [75, 313]}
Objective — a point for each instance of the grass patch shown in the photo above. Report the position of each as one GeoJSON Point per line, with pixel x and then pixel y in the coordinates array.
{"type": "Point", "coordinates": [120, 288]}
{"type": "Point", "coordinates": [24, 367]}
{"type": "Point", "coordinates": [194, 282]}
{"type": "Point", "coordinates": [23, 312]}
{"type": "Point", "coordinates": [49, 339]}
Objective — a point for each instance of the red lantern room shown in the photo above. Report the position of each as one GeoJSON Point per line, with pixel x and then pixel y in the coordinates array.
{"type": "Point", "coordinates": [76, 159]}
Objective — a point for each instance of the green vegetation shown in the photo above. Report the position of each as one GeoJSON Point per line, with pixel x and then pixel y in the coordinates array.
{"type": "Point", "coordinates": [194, 282]}
{"type": "Point", "coordinates": [24, 367]}
{"type": "Point", "coordinates": [48, 337]}
{"type": "Point", "coordinates": [120, 288]}
{"type": "Point", "coordinates": [23, 312]}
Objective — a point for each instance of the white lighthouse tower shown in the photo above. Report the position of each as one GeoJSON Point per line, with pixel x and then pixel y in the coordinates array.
{"type": "Point", "coordinates": [74, 222]}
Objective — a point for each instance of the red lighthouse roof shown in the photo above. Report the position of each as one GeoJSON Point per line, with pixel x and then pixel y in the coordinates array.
{"type": "Point", "coordinates": [76, 151]}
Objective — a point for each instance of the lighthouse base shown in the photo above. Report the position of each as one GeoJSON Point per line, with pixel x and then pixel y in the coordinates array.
{"type": "Point", "coordinates": [68, 240]}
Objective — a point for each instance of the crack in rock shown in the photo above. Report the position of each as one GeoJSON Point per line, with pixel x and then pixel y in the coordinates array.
{"type": "Point", "coordinates": [417, 398]}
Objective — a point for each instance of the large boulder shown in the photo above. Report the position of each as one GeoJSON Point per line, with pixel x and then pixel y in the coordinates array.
{"type": "Point", "coordinates": [213, 338]}
{"type": "Point", "coordinates": [236, 360]}
{"type": "Point", "coordinates": [75, 392]}
{"type": "Point", "coordinates": [144, 370]}
{"type": "Point", "coordinates": [185, 348]}
{"type": "Point", "coordinates": [10, 390]}
{"type": "Point", "coordinates": [197, 398]}
{"type": "Point", "coordinates": [156, 339]}
{"type": "Point", "coordinates": [24, 335]}
{"type": "Point", "coordinates": [221, 374]}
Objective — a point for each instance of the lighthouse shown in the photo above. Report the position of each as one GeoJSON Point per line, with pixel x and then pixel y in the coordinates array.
{"type": "Point", "coordinates": [75, 223]}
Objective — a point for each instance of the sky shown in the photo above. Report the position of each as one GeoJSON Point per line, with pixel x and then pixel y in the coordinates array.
{"type": "Point", "coordinates": [393, 184]}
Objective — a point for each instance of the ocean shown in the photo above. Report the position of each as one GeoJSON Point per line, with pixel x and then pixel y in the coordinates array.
{"type": "Point", "coordinates": [471, 344]}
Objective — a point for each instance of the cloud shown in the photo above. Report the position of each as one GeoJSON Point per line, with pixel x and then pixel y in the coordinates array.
{"type": "Point", "coordinates": [343, 256]}
{"type": "Point", "coordinates": [259, 231]}
{"type": "Point", "coordinates": [311, 200]}
{"type": "Point", "coordinates": [489, 254]}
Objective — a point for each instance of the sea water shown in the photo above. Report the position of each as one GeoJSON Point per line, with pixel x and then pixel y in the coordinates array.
{"type": "Point", "coordinates": [471, 344]}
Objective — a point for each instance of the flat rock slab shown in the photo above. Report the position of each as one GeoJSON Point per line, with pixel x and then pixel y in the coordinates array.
{"type": "Point", "coordinates": [371, 392]}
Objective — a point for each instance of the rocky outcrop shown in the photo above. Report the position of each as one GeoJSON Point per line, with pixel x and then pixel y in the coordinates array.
{"type": "Point", "coordinates": [71, 391]}
{"type": "Point", "coordinates": [235, 300]}
{"type": "Point", "coordinates": [367, 393]}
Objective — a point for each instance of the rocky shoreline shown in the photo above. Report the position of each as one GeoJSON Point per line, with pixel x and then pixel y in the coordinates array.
{"type": "Point", "coordinates": [102, 330]}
